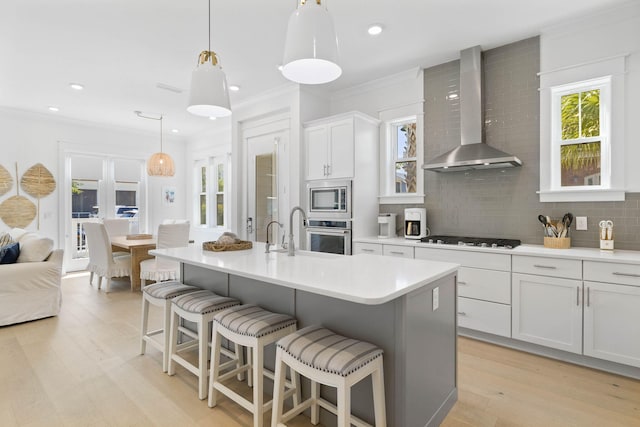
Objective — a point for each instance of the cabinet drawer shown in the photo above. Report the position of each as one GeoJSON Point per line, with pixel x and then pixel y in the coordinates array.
{"type": "Point", "coordinates": [367, 248]}
{"type": "Point", "coordinates": [484, 316]}
{"type": "Point", "coordinates": [397, 250]}
{"type": "Point", "coordinates": [610, 272]}
{"type": "Point", "coordinates": [487, 285]}
{"type": "Point", "coordinates": [555, 267]}
{"type": "Point", "coordinates": [490, 261]}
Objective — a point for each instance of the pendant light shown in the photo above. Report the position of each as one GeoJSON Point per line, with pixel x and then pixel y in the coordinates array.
{"type": "Point", "coordinates": [311, 47]}
{"type": "Point", "coordinates": [159, 164]}
{"type": "Point", "coordinates": [209, 95]}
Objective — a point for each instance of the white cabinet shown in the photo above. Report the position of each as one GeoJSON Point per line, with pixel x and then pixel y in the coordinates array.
{"type": "Point", "coordinates": [547, 311]}
{"type": "Point", "coordinates": [330, 150]}
{"type": "Point", "coordinates": [397, 251]}
{"type": "Point", "coordinates": [612, 312]}
{"type": "Point", "coordinates": [366, 248]}
{"type": "Point", "coordinates": [484, 288]}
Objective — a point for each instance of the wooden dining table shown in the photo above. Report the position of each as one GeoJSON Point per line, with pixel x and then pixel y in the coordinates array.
{"type": "Point", "coordinates": [139, 249]}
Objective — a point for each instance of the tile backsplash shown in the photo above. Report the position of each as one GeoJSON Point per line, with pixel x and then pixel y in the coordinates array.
{"type": "Point", "coordinates": [503, 202]}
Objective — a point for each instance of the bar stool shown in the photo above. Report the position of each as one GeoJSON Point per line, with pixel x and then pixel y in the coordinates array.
{"type": "Point", "coordinates": [198, 307]}
{"type": "Point", "coordinates": [333, 360]}
{"type": "Point", "coordinates": [255, 328]}
{"type": "Point", "coordinates": [160, 295]}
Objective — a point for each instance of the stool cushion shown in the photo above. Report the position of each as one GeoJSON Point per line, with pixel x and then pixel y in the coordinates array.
{"type": "Point", "coordinates": [252, 320]}
{"type": "Point", "coordinates": [327, 351]}
{"type": "Point", "coordinates": [168, 290]}
{"type": "Point", "coordinates": [203, 302]}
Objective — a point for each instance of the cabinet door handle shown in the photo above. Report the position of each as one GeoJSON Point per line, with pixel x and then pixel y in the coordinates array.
{"type": "Point", "coordinates": [324, 170]}
{"type": "Point", "coordinates": [460, 282]}
{"type": "Point", "coordinates": [616, 273]}
{"type": "Point", "coordinates": [588, 297]}
{"type": "Point", "coordinates": [367, 250]}
{"type": "Point", "coordinates": [328, 170]}
{"type": "Point", "coordinates": [396, 252]}
{"type": "Point", "coordinates": [462, 313]}
{"type": "Point", "coordinates": [578, 295]}
{"type": "Point", "coordinates": [549, 267]}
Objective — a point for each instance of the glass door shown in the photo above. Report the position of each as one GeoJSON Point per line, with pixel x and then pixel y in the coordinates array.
{"type": "Point", "coordinates": [263, 188]}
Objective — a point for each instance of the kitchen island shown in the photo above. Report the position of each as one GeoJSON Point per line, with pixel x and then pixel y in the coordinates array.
{"type": "Point", "coordinates": [407, 307]}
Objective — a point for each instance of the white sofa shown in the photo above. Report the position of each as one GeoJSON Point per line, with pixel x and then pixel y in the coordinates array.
{"type": "Point", "coordinates": [30, 289]}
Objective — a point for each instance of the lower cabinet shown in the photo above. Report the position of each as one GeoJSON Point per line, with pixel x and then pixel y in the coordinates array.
{"type": "Point", "coordinates": [398, 251]}
{"type": "Point", "coordinates": [366, 248]}
{"type": "Point", "coordinates": [612, 322]}
{"type": "Point", "coordinates": [484, 316]}
{"type": "Point", "coordinates": [547, 311]}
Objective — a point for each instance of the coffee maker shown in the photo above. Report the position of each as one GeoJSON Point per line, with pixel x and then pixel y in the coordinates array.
{"type": "Point", "coordinates": [415, 223]}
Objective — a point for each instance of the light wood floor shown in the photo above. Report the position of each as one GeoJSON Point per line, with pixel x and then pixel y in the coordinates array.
{"type": "Point", "coordinates": [82, 368]}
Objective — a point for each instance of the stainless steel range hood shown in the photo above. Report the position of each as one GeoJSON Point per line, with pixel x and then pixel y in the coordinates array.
{"type": "Point", "coordinates": [472, 153]}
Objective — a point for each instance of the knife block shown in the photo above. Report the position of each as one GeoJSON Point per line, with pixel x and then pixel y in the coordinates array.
{"type": "Point", "coordinates": [557, 242]}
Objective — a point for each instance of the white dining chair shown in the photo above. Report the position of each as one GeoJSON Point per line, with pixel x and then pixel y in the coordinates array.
{"type": "Point", "coordinates": [102, 262]}
{"type": "Point", "coordinates": [116, 227]}
{"type": "Point", "coordinates": [159, 269]}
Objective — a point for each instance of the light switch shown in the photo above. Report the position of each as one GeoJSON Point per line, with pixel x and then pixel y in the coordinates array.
{"type": "Point", "coordinates": [436, 298]}
{"type": "Point", "coordinates": [581, 223]}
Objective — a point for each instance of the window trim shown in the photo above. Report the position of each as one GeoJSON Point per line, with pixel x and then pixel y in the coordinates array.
{"type": "Point", "coordinates": [211, 164]}
{"type": "Point", "coordinates": [389, 119]}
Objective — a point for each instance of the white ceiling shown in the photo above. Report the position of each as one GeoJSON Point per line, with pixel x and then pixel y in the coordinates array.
{"type": "Point", "coordinates": [120, 49]}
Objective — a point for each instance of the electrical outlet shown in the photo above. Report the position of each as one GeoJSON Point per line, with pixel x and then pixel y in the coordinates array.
{"type": "Point", "coordinates": [581, 223]}
{"type": "Point", "coordinates": [436, 298]}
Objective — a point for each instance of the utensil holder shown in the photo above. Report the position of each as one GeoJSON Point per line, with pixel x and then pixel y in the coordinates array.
{"type": "Point", "coordinates": [557, 242]}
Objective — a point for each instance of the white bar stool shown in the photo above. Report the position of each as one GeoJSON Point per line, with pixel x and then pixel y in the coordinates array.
{"type": "Point", "coordinates": [160, 295]}
{"type": "Point", "coordinates": [198, 307]}
{"type": "Point", "coordinates": [333, 360]}
{"type": "Point", "coordinates": [255, 328]}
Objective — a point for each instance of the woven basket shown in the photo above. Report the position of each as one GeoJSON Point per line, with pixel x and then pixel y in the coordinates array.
{"type": "Point", "coordinates": [557, 242]}
{"type": "Point", "coordinates": [219, 247]}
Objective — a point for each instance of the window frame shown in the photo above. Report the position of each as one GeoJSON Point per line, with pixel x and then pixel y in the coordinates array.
{"type": "Point", "coordinates": [390, 120]}
{"type": "Point", "coordinates": [557, 92]}
{"type": "Point", "coordinates": [211, 193]}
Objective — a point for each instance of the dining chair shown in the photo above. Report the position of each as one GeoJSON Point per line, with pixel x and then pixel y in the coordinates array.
{"type": "Point", "coordinates": [175, 221]}
{"type": "Point", "coordinates": [116, 227]}
{"type": "Point", "coordinates": [159, 269]}
{"type": "Point", "coordinates": [102, 262]}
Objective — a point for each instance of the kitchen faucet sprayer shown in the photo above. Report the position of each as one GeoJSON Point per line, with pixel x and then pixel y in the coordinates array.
{"type": "Point", "coordinates": [291, 248]}
{"type": "Point", "coordinates": [272, 222]}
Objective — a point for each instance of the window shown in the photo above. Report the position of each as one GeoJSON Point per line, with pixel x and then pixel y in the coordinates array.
{"type": "Point", "coordinates": [580, 138]}
{"type": "Point", "coordinates": [404, 143]}
{"type": "Point", "coordinates": [401, 177]}
{"type": "Point", "coordinates": [211, 198]}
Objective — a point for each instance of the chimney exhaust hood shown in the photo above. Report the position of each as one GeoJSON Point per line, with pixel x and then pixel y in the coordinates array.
{"type": "Point", "coordinates": [472, 153]}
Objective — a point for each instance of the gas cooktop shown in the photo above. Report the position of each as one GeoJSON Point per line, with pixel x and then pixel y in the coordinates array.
{"type": "Point", "coordinates": [483, 242]}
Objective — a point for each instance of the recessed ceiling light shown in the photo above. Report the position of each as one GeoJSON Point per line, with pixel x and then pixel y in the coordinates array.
{"type": "Point", "coordinates": [52, 108]}
{"type": "Point", "coordinates": [175, 130]}
{"type": "Point", "coordinates": [234, 88]}
{"type": "Point", "coordinates": [76, 86]}
{"type": "Point", "coordinates": [374, 29]}
{"type": "Point", "coordinates": [213, 118]}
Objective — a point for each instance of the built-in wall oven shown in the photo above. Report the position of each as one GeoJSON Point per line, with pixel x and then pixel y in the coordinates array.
{"type": "Point", "coordinates": [329, 199]}
{"type": "Point", "coordinates": [329, 235]}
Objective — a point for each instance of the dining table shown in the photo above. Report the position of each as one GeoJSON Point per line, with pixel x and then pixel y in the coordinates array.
{"type": "Point", "coordinates": [139, 249]}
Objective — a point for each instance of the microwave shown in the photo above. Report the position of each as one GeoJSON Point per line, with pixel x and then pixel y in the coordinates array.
{"type": "Point", "coordinates": [329, 199]}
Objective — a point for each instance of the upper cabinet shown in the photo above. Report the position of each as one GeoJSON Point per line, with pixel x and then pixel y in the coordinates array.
{"type": "Point", "coordinates": [335, 146]}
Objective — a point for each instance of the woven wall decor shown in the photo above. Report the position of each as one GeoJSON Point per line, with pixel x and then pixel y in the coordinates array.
{"type": "Point", "coordinates": [38, 182]}
{"type": "Point", "coordinates": [17, 211]}
{"type": "Point", "coordinates": [6, 181]}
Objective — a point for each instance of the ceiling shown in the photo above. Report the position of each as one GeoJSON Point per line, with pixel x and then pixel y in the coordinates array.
{"type": "Point", "coordinates": [121, 49]}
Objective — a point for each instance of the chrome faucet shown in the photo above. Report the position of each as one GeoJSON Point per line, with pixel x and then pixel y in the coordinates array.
{"type": "Point", "coordinates": [266, 249]}
{"type": "Point", "coordinates": [304, 216]}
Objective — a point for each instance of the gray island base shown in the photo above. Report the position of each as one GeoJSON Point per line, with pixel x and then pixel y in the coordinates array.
{"type": "Point", "coordinates": [419, 342]}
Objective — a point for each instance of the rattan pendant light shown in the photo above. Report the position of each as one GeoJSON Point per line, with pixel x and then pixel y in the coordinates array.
{"type": "Point", "coordinates": [159, 164]}
{"type": "Point", "coordinates": [311, 47]}
{"type": "Point", "coordinates": [209, 94]}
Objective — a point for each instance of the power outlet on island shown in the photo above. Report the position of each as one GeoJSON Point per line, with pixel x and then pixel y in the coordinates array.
{"type": "Point", "coordinates": [436, 298]}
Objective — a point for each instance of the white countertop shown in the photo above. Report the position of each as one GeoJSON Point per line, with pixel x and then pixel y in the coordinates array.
{"type": "Point", "coordinates": [588, 254]}
{"type": "Point", "coordinates": [364, 279]}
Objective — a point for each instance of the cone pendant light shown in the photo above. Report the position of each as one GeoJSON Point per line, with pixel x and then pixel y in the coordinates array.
{"type": "Point", "coordinates": [311, 47]}
{"type": "Point", "coordinates": [209, 94]}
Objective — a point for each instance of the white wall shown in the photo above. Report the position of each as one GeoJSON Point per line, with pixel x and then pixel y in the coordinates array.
{"type": "Point", "coordinates": [30, 138]}
{"type": "Point", "coordinates": [594, 38]}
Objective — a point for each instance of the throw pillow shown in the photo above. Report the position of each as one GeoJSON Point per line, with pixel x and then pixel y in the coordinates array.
{"type": "Point", "coordinates": [17, 233]}
{"type": "Point", "coordinates": [9, 253]}
{"type": "Point", "coordinates": [34, 248]}
{"type": "Point", "coordinates": [5, 239]}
